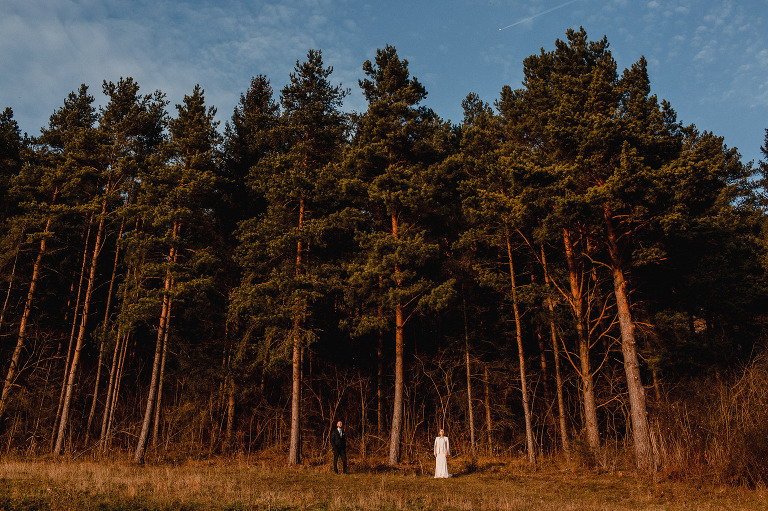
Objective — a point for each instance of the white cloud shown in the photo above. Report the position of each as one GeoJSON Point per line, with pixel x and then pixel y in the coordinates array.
{"type": "Point", "coordinates": [762, 58]}
{"type": "Point", "coordinates": [705, 54]}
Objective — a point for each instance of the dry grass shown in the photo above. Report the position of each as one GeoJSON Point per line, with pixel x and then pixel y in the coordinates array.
{"type": "Point", "coordinates": [239, 485]}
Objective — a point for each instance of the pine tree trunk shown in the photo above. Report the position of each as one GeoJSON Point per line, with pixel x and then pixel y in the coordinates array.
{"type": "Point", "coordinates": [16, 357]}
{"type": "Point", "coordinates": [141, 446]}
{"type": "Point", "coordinates": [489, 425]}
{"type": "Point", "coordinates": [81, 333]}
{"type": "Point", "coordinates": [71, 343]}
{"type": "Point", "coordinates": [640, 430]}
{"type": "Point", "coordinates": [230, 431]}
{"type": "Point", "coordinates": [363, 417]}
{"type": "Point", "coordinates": [397, 412]}
{"type": "Point", "coordinates": [110, 391]}
{"type": "Point", "coordinates": [585, 372]}
{"type": "Point", "coordinates": [294, 452]}
{"type": "Point", "coordinates": [558, 376]}
{"type": "Point", "coordinates": [116, 392]}
{"type": "Point", "coordinates": [380, 371]}
{"type": "Point", "coordinates": [159, 403]}
{"type": "Point", "coordinates": [521, 356]}
{"type": "Point", "coordinates": [469, 379]}
{"type": "Point", "coordinates": [103, 336]}
{"type": "Point", "coordinates": [656, 384]}
{"type": "Point", "coordinates": [655, 380]}
{"type": "Point", "coordinates": [302, 364]}
{"type": "Point", "coordinates": [550, 422]}
{"type": "Point", "coordinates": [120, 340]}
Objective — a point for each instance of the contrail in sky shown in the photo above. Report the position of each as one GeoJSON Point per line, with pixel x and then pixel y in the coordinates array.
{"type": "Point", "coordinates": [529, 18]}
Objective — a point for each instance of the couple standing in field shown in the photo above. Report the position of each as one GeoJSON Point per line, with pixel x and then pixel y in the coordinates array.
{"type": "Point", "coordinates": [339, 445]}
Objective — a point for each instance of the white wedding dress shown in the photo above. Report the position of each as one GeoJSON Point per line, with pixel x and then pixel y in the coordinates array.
{"type": "Point", "coordinates": [442, 450]}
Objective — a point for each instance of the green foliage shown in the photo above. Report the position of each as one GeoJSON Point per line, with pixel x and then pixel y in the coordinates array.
{"type": "Point", "coordinates": [11, 157]}
{"type": "Point", "coordinates": [285, 250]}
{"type": "Point", "coordinates": [392, 191]}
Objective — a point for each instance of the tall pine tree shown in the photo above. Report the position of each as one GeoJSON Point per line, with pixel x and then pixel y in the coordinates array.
{"type": "Point", "coordinates": [389, 160]}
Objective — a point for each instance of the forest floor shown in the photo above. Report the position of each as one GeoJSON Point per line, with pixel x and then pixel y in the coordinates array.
{"type": "Point", "coordinates": [226, 484]}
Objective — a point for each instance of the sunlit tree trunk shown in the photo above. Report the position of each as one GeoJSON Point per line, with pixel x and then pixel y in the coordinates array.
{"type": "Point", "coordinates": [521, 355]}
{"type": "Point", "coordinates": [103, 336]}
{"type": "Point", "coordinates": [640, 430]}
{"type": "Point", "coordinates": [71, 343]}
{"type": "Point", "coordinates": [294, 453]}
{"type": "Point", "coordinates": [550, 421]}
{"type": "Point", "coordinates": [81, 333]}
{"type": "Point", "coordinates": [397, 411]}
{"type": "Point", "coordinates": [159, 404]}
{"type": "Point", "coordinates": [585, 372]}
{"type": "Point", "coordinates": [120, 342]}
{"type": "Point", "coordinates": [141, 446]}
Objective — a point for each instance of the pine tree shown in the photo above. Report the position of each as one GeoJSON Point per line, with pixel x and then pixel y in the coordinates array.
{"type": "Point", "coordinates": [250, 135]}
{"type": "Point", "coordinates": [177, 195]}
{"type": "Point", "coordinates": [12, 147]}
{"type": "Point", "coordinates": [14, 153]}
{"type": "Point", "coordinates": [129, 127]}
{"type": "Point", "coordinates": [612, 139]}
{"type": "Point", "coordinates": [54, 184]}
{"type": "Point", "coordinates": [496, 210]}
{"type": "Point", "coordinates": [389, 160]}
{"type": "Point", "coordinates": [285, 269]}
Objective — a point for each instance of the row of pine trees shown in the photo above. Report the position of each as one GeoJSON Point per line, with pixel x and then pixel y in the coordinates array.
{"type": "Point", "coordinates": [542, 275]}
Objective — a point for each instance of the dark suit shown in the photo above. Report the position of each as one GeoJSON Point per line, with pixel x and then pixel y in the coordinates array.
{"type": "Point", "coordinates": [339, 446]}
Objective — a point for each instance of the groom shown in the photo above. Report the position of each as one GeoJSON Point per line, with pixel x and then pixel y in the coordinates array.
{"type": "Point", "coordinates": [339, 446]}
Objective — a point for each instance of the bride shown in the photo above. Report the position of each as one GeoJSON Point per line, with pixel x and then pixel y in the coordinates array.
{"type": "Point", "coordinates": [442, 450]}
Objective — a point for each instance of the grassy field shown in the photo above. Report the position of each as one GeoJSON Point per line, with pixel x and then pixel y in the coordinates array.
{"type": "Point", "coordinates": [264, 485]}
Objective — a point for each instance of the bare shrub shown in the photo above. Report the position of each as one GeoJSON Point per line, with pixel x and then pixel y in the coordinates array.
{"type": "Point", "coordinates": [718, 427]}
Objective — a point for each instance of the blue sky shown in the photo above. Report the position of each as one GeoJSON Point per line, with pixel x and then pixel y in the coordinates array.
{"type": "Point", "coordinates": [709, 58]}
